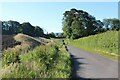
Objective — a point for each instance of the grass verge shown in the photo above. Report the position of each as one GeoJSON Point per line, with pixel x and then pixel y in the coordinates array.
{"type": "Point", "coordinates": [105, 44]}
{"type": "Point", "coordinates": [41, 62]}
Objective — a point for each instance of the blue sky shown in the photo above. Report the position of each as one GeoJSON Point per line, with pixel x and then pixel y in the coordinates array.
{"type": "Point", "coordinates": [48, 15]}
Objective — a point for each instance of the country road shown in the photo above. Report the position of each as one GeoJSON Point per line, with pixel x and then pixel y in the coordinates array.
{"type": "Point", "coordinates": [90, 65]}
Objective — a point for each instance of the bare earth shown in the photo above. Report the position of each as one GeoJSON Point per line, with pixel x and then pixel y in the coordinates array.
{"type": "Point", "coordinates": [90, 65]}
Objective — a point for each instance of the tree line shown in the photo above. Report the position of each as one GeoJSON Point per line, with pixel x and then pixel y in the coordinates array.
{"type": "Point", "coordinates": [76, 24]}
{"type": "Point", "coordinates": [79, 23]}
{"type": "Point", "coordinates": [13, 27]}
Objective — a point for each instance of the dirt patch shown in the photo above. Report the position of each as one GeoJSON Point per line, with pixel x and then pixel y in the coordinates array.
{"type": "Point", "coordinates": [9, 42]}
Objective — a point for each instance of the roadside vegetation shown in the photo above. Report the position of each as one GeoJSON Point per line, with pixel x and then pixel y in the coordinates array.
{"type": "Point", "coordinates": [105, 44]}
{"type": "Point", "coordinates": [86, 32]}
{"type": "Point", "coordinates": [30, 53]}
{"type": "Point", "coordinates": [48, 60]}
{"type": "Point", "coordinates": [79, 23]}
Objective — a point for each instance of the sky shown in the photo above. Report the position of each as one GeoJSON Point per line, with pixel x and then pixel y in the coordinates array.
{"type": "Point", "coordinates": [48, 15]}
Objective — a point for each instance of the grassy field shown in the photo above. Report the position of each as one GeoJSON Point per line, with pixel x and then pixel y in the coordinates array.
{"type": "Point", "coordinates": [49, 60]}
{"type": "Point", "coordinates": [105, 44]}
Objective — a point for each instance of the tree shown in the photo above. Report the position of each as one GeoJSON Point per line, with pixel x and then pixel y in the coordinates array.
{"type": "Point", "coordinates": [112, 24]}
{"type": "Point", "coordinates": [13, 27]}
{"type": "Point", "coordinates": [38, 32]}
{"type": "Point", "coordinates": [99, 25]}
{"type": "Point", "coordinates": [115, 24]}
{"type": "Point", "coordinates": [26, 28]}
{"type": "Point", "coordinates": [77, 29]}
{"type": "Point", "coordinates": [57, 34]}
{"type": "Point", "coordinates": [51, 35]}
{"type": "Point", "coordinates": [10, 27]}
{"type": "Point", "coordinates": [78, 23]}
{"type": "Point", "coordinates": [67, 21]}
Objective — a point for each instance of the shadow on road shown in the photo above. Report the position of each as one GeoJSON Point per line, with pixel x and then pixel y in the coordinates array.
{"type": "Point", "coordinates": [76, 67]}
{"type": "Point", "coordinates": [80, 66]}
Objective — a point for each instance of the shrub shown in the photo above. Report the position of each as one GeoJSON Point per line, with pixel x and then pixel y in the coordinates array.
{"type": "Point", "coordinates": [10, 56]}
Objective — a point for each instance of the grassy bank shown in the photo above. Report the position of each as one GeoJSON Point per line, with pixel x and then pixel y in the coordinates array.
{"type": "Point", "coordinates": [43, 61]}
{"type": "Point", "coordinates": [105, 44]}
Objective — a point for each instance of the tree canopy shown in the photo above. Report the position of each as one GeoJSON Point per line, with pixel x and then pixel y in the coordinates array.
{"type": "Point", "coordinates": [112, 24]}
{"type": "Point", "coordinates": [14, 27]}
{"type": "Point", "coordinates": [79, 23]}
{"type": "Point", "coordinates": [76, 24]}
{"type": "Point", "coordinates": [10, 27]}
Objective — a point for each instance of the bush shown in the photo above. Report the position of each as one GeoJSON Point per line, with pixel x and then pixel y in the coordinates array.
{"type": "Point", "coordinates": [10, 56]}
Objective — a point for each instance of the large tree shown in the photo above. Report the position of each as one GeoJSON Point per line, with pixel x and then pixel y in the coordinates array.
{"type": "Point", "coordinates": [78, 23]}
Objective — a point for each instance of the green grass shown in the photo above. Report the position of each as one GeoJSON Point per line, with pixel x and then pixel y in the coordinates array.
{"type": "Point", "coordinates": [41, 62]}
{"type": "Point", "coordinates": [33, 60]}
{"type": "Point", "coordinates": [105, 44]}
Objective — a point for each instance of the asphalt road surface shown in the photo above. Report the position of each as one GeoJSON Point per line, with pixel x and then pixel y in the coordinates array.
{"type": "Point", "coordinates": [91, 65]}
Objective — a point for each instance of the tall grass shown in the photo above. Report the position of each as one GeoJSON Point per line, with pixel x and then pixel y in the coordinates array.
{"type": "Point", "coordinates": [41, 62]}
{"type": "Point", "coordinates": [102, 43]}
